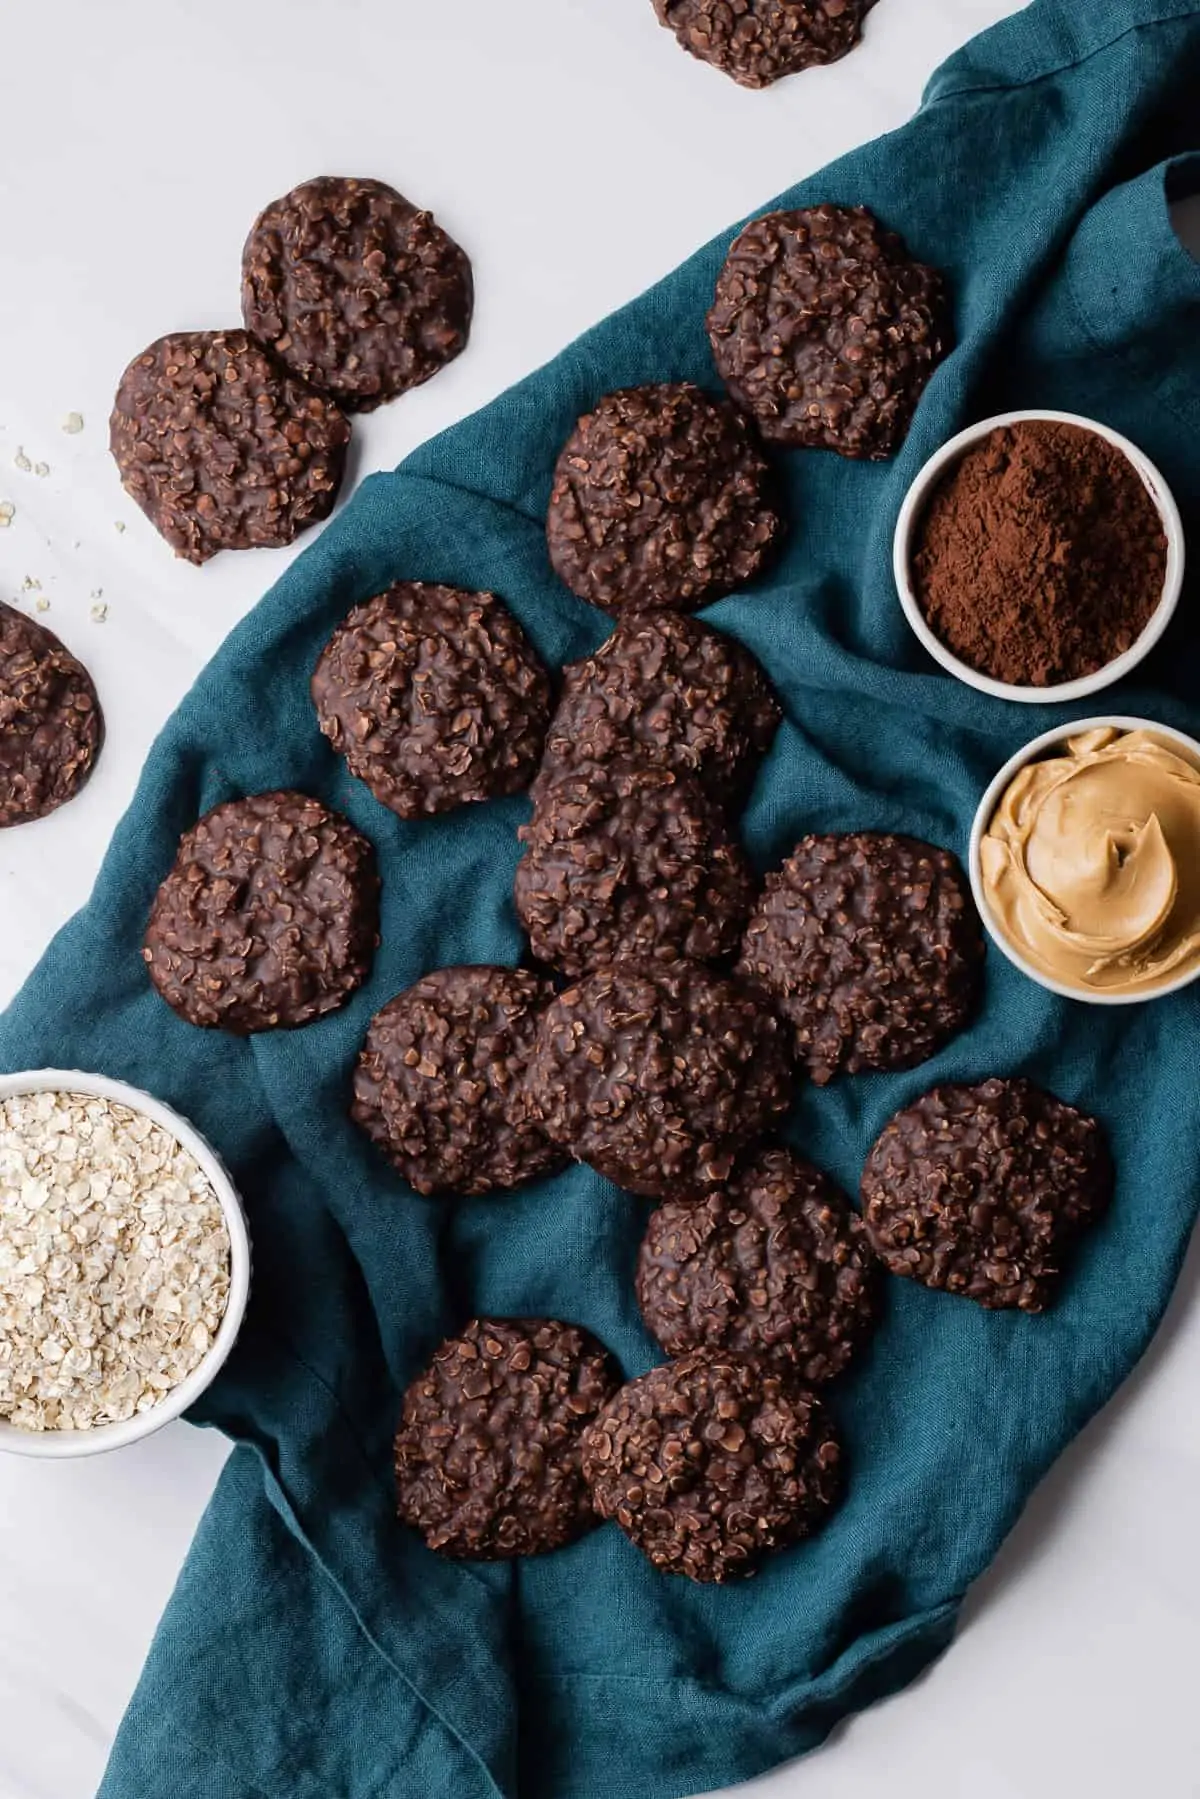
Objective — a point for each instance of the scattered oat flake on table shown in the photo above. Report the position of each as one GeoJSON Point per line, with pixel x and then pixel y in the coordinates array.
{"type": "Point", "coordinates": [114, 1262]}
{"type": "Point", "coordinates": [41, 604]}
{"type": "Point", "coordinates": [7, 513]}
{"type": "Point", "coordinates": [30, 582]}
{"type": "Point", "coordinates": [118, 524]}
{"type": "Point", "coordinates": [41, 468]}
{"type": "Point", "coordinates": [99, 611]}
{"type": "Point", "coordinates": [21, 461]}
{"type": "Point", "coordinates": [73, 424]}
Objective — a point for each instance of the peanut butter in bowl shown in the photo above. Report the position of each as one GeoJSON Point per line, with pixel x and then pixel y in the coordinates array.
{"type": "Point", "coordinates": [1086, 860]}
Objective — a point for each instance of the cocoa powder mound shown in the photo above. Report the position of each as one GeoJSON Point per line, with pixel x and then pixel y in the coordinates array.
{"type": "Point", "coordinates": [1041, 555]}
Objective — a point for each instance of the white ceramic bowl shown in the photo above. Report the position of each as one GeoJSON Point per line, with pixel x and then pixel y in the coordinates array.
{"type": "Point", "coordinates": [910, 518]}
{"type": "Point", "coordinates": [57, 1445]}
{"type": "Point", "coordinates": [1034, 752]}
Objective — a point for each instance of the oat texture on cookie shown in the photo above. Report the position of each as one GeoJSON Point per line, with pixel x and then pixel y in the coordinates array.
{"type": "Point", "coordinates": [356, 289]}
{"type": "Point", "coordinates": [826, 330]}
{"type": "Point", "coordinates": [51, 727]}
{"type": "Point", "coordinates": [435, 697]}
{"type": "Point", "coordinates": [487, 1457]}
{"type": "Point", "coordinates": [222, 447]}
{"type": "Point", "coordinates": [661, 498]}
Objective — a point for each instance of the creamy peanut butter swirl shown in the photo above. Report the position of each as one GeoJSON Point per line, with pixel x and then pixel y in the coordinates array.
{"type": "Point", "coordinates": [1091, 864]}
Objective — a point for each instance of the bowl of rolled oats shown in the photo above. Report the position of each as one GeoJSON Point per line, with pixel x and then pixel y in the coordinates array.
{"type": "Point", "coordinates": [124, 1264]}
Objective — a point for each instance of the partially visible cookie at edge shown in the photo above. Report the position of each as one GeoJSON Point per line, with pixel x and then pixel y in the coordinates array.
{"type": "Point", "coordinates": [661, 498]}
{"type": "Point", "coordinates": [356, 289]}
{"type": "Point", "coordinates": [488, 1454]}
{"type": "Point", "coordinates": [269, 917]}
{"type": "Point", "coordinates": [629, 860]}
{"type": "Point", "coordinates": [712, 1462]}
{"type": "Point", "coordinates": [982, 1190]}
{"type": "Point", "coordinates": [759, 41]}
{"type": "Point", "coordinates": [657, 1075]}
{"type": "Point", "coordinates": [666, 689]}
{"type": "Point", "coordinates": [51, 726]}
{"type": "Point", "coordinates": [871, 947]}
{"type": "Point", "coordinates": [775, 1264]}
{"type": "Point", "coordinates": [826, 330]}
{"type": "Point", "coordinates": [437, 1085]}
{"type": "Point", "coordinates": [435, 697]}
{"type": "Point", "coordinates": [222, 447]}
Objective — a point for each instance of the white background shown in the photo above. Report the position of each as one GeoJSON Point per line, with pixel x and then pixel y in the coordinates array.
{"type": "Point", "coordinates": [578, 155]}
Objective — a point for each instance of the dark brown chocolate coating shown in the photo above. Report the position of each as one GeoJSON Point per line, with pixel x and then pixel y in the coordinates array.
{"type": "Point", "coordinates": [758, 41]}
{"type": "Point", "coordinates": [270, 916]}
{"type": "Point", "coordinates": [355, 289]}
{"type": "Point", "coordinates": [437, 1084]}
{"type": "Point", "coordinates": [221, 447]}
{"type": "Point", "coordinates": [981, 1191]}
{"type": "Point", "coordinates": [871, 947]}
{"type": "Point", "coordinates": [668, 690]}
{"type": "Point", "coordinates": [776, 1264]}
{"type": "Point", "coordinates": [660, 498]}
{"type": "Point", "coordinates": [487, 1456]}
{"type": "Point", "coordinates": [435, 697]}
{"type": "Point", "coordinates": [51, 726]}
{"type": "Point", "coordinates": [630, 860]}
{"type": "Point", "coordinates": [657, 1075]}
{"type": "Point", "coordinates": [826, 331]}
{"type": "Point", "coordinates": [712, 1462]}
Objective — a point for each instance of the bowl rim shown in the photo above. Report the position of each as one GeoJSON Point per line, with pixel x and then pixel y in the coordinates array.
{"type": "Point", "coordinates": [59, 1445]}
{"type": "Point", "coordinates": [1034, 751]}
{"type": "Point", "coordinates": [1066, 691]}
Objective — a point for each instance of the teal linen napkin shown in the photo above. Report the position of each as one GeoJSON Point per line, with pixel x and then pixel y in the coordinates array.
{"type": "Point", "coordinates": [313, 1647]}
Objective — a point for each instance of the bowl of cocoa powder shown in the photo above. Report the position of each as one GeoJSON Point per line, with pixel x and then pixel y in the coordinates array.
{"type": "Point", "coordinates": [1039, 556]}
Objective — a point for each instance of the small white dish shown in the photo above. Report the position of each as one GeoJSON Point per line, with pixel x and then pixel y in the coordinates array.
{"type": "Point", "coordinates": [910, 517]}
{"type": "Point", "coordinates": [1041, 747]}
{"type": "Point", "coordinates": [60, 1445]}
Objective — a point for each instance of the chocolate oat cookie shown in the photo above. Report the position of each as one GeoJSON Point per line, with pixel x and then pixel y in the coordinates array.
{"type": "Point", "coordinates": [437, 1084]}
{"type": "Point", "coordinates": [712, 1462]}
{"type": "Point", "coordinates": [268, 918]}
{"type": "Point", "coordinates": [871, 948]}
{"type": "Point", "coordinates": [668, 690]}
{"type": "Point", "coordinates": [434, 696]}
{"type": "Point", "coordinates": [981, 1190]}
{"type": "Point", "coordinates": [776, 1264]}
{"type": "Point", "coordinates": [51, 727]}
{"type": "Point", "coordinates": [827, 331]}
{"type": "Point", "coordinates": [660, 498]}
{"type": "Point", "coordinates": [488, 1451]}
{"type": "Point", "coordinates": [629, 860]}
{"type": "Point", "coordinates": [757, 41]}
{"type": "Point", "coordinates": [356, 289]}
{"type": "Point", "coordinates": [657, 1075]}
{"type": "Point", "coordinates": [221, 447]}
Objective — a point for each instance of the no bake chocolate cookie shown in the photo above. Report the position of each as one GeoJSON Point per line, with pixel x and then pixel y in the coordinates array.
{"type": "Point", "coordinates": [437, 1086]}
{"type": "Point", "coordinates": [981, 1190]}
{"type": "Point", "coordinates": [356, 289]}
{"type": "Point", "coordinates": [270, 916]}
{"type": "Point", "coordinates": [221, 447]}
{"type": "Point", "coordinates": [826, 330]}
{"type": "Point", "coordinates": [434, 696]}
{"type": "Point", "coordinates": [487, 1456]}
{"type": "Point", "coordinates": [712, 1462]}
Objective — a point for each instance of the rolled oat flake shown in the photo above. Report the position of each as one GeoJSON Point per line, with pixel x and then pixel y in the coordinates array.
{"type": "Point", "coordinates": [114, 1262]}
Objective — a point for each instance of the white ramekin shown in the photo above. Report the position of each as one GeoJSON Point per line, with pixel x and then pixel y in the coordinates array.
{"type": "Point", "coordinates": [910, 518]}
{"type": "Point", "coordinates": [52, 1445]}
{"type": "Point", "coordinates": [1034, 752]}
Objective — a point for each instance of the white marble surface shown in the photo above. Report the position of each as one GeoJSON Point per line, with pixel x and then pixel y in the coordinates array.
{"type": "Point", "coordinates": [140, 138]}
